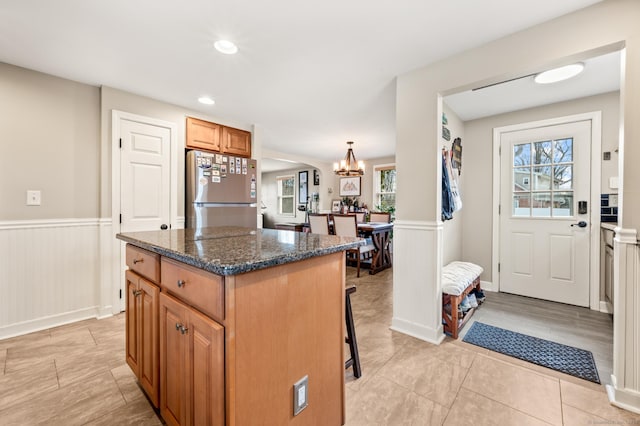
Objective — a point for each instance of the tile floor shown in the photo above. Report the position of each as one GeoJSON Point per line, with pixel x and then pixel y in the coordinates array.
{"type": "Point", "coordinates": [76, 375]}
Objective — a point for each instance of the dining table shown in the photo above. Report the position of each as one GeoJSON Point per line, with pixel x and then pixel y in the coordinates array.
{"type": "Point", "coordinates": [380, 234]}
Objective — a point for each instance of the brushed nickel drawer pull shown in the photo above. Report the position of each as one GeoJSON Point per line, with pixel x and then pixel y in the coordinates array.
{"type": "Point", "coordinates": [183, 330]}
{"type": "Point", "coordinates": [178, 326]}
{"type": "Point", "coordinates": [137, 261]}
{"type": "Point", "coordinates": [181, 283]}
{"type": "Point", "coordinates": [137, 292]}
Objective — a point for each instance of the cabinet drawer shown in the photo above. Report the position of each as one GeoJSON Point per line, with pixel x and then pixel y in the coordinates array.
{"type": "Point", "coordinates": [144, 262]}
{"type": "Point", "coordinates": [195, 287]}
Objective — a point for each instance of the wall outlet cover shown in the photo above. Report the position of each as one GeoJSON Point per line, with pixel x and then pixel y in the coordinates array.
{"type": "Point", "coordinates": [33, 198]}
{"type": "Point", "coordinates": [300, 395]}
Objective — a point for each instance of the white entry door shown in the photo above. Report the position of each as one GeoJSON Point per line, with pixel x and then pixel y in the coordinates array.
{"type": "Point", "coordinates": [544, 195]}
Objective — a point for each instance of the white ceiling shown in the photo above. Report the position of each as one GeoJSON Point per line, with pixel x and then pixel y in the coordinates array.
{"type": "Point", "coordinates": [312, 75]}
{"type": "Point", "coordinates": [601, 75]}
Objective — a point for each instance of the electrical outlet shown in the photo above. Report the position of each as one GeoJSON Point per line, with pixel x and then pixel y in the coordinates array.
{"type": "Point", "coordinates": [300, 395]}
{"type": "Point", "coordinates": [33, 198]}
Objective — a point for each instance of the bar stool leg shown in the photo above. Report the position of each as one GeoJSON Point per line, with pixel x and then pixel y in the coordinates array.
{"type": "Point", "coordinates": [351, 336]}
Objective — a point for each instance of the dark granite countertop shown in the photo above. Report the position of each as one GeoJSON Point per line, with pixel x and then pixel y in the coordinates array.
{"type": "Point", "coordinates": [235, 250]}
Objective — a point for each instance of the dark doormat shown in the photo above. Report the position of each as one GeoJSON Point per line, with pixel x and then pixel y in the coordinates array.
{"type": "Point", "coordinates": [567, 359]}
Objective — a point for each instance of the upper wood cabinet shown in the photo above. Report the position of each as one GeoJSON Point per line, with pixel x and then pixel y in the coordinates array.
{"type": "Point", "coordinates": [215, 137]}
{"type": "Point", "coordinates": [203, 134]}
{"type": "Point", "coordinates": [236, 142]}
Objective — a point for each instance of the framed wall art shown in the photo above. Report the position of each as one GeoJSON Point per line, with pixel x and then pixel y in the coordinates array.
{"type": "Point", "coordinates": [303, 186]}
{"type": "Point", "coordinates": [349, 186]}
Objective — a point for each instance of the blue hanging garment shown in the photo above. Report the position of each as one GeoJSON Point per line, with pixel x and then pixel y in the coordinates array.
{"type": "Point", "coordinates": [448, 203]}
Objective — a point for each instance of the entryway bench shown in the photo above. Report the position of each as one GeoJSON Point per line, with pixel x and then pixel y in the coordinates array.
{"type": "Point", "coordinates": [458, 280]}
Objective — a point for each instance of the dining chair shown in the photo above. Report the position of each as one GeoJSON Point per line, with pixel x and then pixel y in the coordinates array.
{"type": "Point", "coordinates": [319, 223]}
{"type": "Point", "coordinates": [380, 217]}
{"type": "Point", "coordinates": [346, 226]}
{"type": "Point", "coordinates": [360, 217]}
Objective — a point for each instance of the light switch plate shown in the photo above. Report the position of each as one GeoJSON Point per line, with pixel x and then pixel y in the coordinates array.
{"type": "Point", "coordinates": [613, 200]}
{"type": "Point", "coordinates": [33, 198]}
{"type": "Point", "coordinates": [300, 395]}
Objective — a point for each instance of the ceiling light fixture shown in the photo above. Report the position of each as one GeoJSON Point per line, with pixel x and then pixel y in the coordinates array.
{"type": "Point", "coordinates": [226, 46]}
{"type": "Point", "coordinates": [349, 166]}
{"type": "Point", "coordinates": [206, 100]}
{"type": "Point", "coordinates": [559, 74]}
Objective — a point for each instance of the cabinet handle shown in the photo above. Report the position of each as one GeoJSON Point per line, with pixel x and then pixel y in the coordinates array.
{"type": "Point", "coordinates": [137, 261]}
{"type": "Point", "coordinates": [181, 328]}
{"type": "Point", "coordinates": [137, 292]}
{"type": "Point", "coordinates": [181, 283]}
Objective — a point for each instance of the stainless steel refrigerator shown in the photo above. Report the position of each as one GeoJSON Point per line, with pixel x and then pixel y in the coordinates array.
{"type": "Point", "coordinates": [220, 190]}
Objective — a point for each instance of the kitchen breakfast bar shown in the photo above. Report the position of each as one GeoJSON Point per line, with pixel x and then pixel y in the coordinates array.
{"type": "Point", "coordinates": [223, 322]}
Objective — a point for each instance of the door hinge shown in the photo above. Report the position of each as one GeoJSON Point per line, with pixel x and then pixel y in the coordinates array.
{"type": "Point", "coordinates": [120, 293]}
{"type": "Point", "coordinates": [499, 208]}
{"type": "Point", "coordinates": [120, 142]}
{"type": "Point", "coordinates": [498, 266]}
{"type": "Point", "coordinates": [120, 217]}
{"type": "Point", "coordinates": [499, 148]}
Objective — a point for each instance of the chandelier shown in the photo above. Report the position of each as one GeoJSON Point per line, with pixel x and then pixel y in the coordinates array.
{"type": "Point", "coordinates": [349, 166]}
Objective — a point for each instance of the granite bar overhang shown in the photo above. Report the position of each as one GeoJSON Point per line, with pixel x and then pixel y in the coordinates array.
{"type": "Point", "coordinates": [230, 250]}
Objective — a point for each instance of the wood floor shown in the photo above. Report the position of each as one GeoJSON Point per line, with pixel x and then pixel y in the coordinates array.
{"type": "Point", "coordinates": [76, 374]}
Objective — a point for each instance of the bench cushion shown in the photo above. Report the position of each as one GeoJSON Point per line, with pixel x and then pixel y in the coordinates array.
{"type": "Point", "coordinates": [457, 276]}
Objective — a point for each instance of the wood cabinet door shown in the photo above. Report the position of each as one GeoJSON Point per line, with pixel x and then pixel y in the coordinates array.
{"type": "Point", "coordinates": [236, 142]}
{"type": "Point", "coordinates": [206, 353]}
{"type": "Point", "coordinates": [131, 318]}
{"type": "Point", "coordinates": [174, 345]}
{"type": "Point", "coordinates": [203, 134]}
{"type": "Point", "coordinates": [148, 331]}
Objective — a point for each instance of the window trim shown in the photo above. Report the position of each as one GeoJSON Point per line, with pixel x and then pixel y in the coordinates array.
{"type": "Point", "coordinates": [376, 182]}
{"type": "Point", "coordinates": [279, 180]}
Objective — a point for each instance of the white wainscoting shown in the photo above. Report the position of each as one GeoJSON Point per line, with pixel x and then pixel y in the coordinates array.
{"type": "Point", "coordinates": [49, 273]}
{"type": "Point", "coordinates": [417, 269]}
{"type": "Point", "coordinates": [625, 389]}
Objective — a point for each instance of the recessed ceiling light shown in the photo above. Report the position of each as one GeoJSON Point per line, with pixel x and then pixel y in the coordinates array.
{"type": "Point", "coordinates": [559, 74]}
{"type": "Point", "coordinates": [225, 46]}
{"type": "Point", "coordinates": [206, 100]}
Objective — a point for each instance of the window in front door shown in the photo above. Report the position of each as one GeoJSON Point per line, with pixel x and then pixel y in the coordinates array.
{"type": "Point", "coordinates": [543, 179]}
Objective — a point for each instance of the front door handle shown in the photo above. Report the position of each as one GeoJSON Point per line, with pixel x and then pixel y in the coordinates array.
{"type": "Point", "coordinates": [581, 224]}
{"type": "Point", "coordinates": [163, 226]}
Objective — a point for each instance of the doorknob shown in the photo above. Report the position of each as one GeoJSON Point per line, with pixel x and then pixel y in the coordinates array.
{"type": "Point", "coordinates": [581, 224]}
{"type": "Point", "coordinates": [163, 226]}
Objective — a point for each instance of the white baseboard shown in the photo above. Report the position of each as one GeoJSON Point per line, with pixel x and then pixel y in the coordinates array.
{"type": "Point", "coordinates": [44, 323]}
{"type": "Point", "coordinates": [418, 331]}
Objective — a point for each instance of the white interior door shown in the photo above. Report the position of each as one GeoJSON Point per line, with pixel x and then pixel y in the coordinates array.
{"type": "Point", "coordinates": [145, 176]}
{"type": "Point", "coordinates": [545, 179]}
{"type": "Point", "coordinates": [145, 185]}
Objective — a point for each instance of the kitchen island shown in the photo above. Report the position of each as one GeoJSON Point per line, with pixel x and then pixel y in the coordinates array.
{"type": "Point", "coordinates": [222, 322]}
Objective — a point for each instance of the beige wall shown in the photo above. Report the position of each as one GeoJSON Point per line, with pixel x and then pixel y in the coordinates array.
{"type": "Point", "coordinates": [569, 38]}
{"type": "Point", "coordinates": [50, 131]}
{"type": "Point", "coordinates": [270, 196]}
{"type": "Point", "coordinates": [477, 217]}
{"type": "Point", "coordinates": [366, 183]}
{"type": "Point", "coordinates": [452, 229]}
{"type": "Point", "coordinates": [113, 99]}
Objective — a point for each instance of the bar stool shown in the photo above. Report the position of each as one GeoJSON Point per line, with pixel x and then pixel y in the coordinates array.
{"type": "Point", "coordinates": [351, 335]}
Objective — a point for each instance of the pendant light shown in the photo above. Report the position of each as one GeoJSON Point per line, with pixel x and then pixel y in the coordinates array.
{"type": "Point", "coordinates": [349, 166]}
